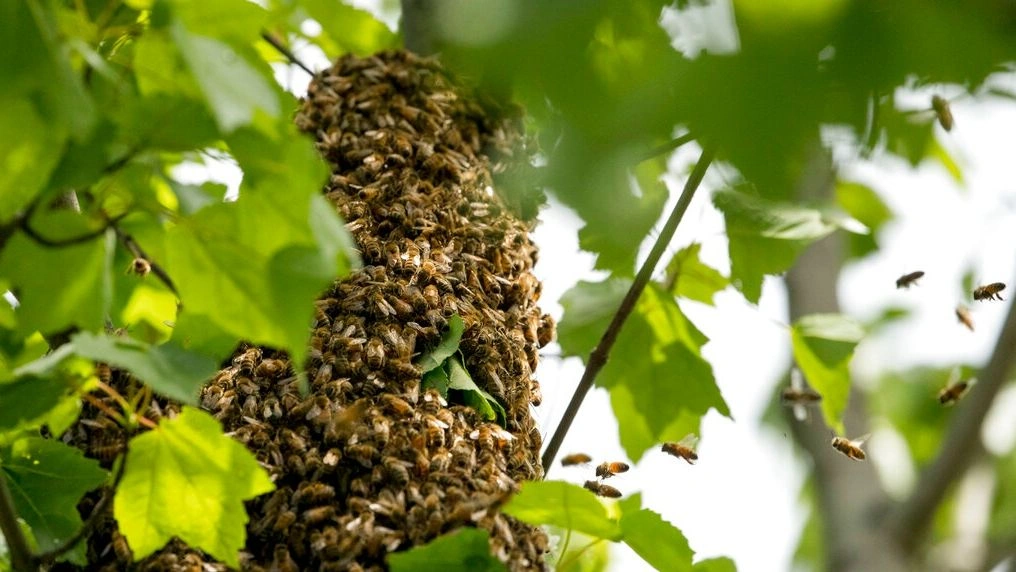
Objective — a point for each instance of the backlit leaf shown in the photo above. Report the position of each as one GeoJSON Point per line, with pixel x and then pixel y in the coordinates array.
{"type": "Point", "coordinates": [464, 550]}
{"type": "Point", "coordinates": [565, 505]}
{"type": "Point", "coordinates": [688, 277]}
{"type": "Point", "coordinates": [823, 345]}
{"type": "Point", "coordinates": [657, 541]}
{"type": "Point", "coordinates": [186, 479]}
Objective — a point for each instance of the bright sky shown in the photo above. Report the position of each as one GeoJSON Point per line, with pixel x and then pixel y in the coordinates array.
{"type": "Point", "coordinates": [741, 499]}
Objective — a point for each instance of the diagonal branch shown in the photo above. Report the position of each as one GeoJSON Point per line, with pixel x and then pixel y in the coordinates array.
{"type": "Point", "coordinates": [911, 518]}
{"type": "Point", "coordinates": [17, 544]}
{"type": "Point", "coordinates": [282, 49]}
{"type": "Point", "coordinates": [598, 358]}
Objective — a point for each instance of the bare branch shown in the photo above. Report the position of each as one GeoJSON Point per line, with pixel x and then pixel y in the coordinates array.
{"type": "Point", "coordinates": [17, 545]}
{"type": "Point", "coordinates": [598, 357]}
{"type": "Point", "coordinates": [911, 518]}
{"type": "Point", "coordinates": [282, 49]}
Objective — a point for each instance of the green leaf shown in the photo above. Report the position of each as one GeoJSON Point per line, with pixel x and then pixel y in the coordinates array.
{"type": "Point", "coordinates": [864, 205]}
{"type": "Point", "coordinates": [689, 278]}
{"type": "Point", "coordinates": [237, 20]}
{"type": "Point", "coordinates": [47, 479]}
{"type": "Point", "coordinates": [447, 348]}
{"type": "Point", "coordinates": [28, 397]}
{"type": "Point", "coordinates": [765, 237]}
{"type": "Point", "coordinates": [471, 394]}
{"type": "Point", "coordinates": [823, 345]}
{"type": "Point", "coordinates": [565, 505]}
{"type": "Point", "coordinates": [59, 287]}
{"type": "Point", "coordinates": [941, 154]}
{"type": "Point", "coordinates": [464, 550]}
{"type": "Point", "coordinates": [29, 151]}
{"type": "Point", "coordinates": [634, 432]}
{"type": "Point", "coordinates": [168, 368]}
{"type": "Point", "coordinates": [186, 479]}
{"type": "Point", "coordinates": [656, 359]}
{"type": "Point", "coordinates": [233, 88]}
{"type": "Point", "coordinates": [657, 541]}
{"type": "Point", "coordinates": [437, 378]}
{"type": "Point", "coordinates": [909, 135]}
{"type": "Point", "coordinates": [721, 564]}
{"type": "Point", "coordinates": [350, 29]}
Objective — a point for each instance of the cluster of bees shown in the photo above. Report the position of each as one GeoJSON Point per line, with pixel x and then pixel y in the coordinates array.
{"type": "Point", "coordinates": [799, 396]}
{"type": "Point", "coordinates": [369, 462]}
{"type": "Point", "coordinates": [683, 449]}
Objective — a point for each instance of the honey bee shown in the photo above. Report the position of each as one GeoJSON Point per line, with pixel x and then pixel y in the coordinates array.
{"type": "Point", "coordinates": [942, 112]}
{"type": "Point", "coordinates": [989, 291]}
{"type": "Point", "coordinates": [120, 548]}
{"type": "Point", "coordinates": [545, 331]}
{"type": "Point", "coordinates": [607, 470]}
{"type": "Point", "coordinates": [271, 368]}
{"type": "Point", "coordinates": [954, 389]}
{"type": "Point", "coordinates": [850, 448]}
{"type": "Point", "coordinates": [139, 266]}
{"type": "Point", "coordinates": [963, 315]}
{"type": "Point", "coordinates": [248, 360]}
{"type": "Point", "coordinates": [103, 372]}
{"type": "Point", "coordinates": [908, 280]}
{"type": "Point", "coordinates": [375, 352]}
{"type": "Point", "coordinates": [312, 493]}
{"type": "Point", "coordinates": [683, 449]}
{"type": "Point", "coordinates": [602, 490]}
{"type": "Point", "coordinates": [396, 405]}
{"type": "Point", "coordinates": [317, 515]}
{"type": "Point", "coordinates": [798, 395]}
{"type": "Point", "coordinates": [282, 561]}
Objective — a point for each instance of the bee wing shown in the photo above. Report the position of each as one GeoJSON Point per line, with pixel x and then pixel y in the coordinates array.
{"type": "Point", "coordinates": [860, 440]}
{"type": "Point", "coordinates": [796, 379]}
{"type": "Point", "coordinates": [800, 412]}
{"type": "Point", "coordinates": [689, 440]}
{"type": "Point", "coordinates": [954, 376]}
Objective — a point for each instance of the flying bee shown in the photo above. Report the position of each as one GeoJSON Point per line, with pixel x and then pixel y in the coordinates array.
{"type": "Point", "coordinates": [607, 470]}
{"type": "Point", "coordinates": [850, 448]}
{"type": "Point", "coordinates": [798, 395]}
{"type": "Point", "coordinates": [139, 266]}
{"type": "Point", "coordinates": [683, 449]}
{"type": "Point", "coordinates": [989, 291]}
{"type": "Point", "coordinates": [963, 315]}
{"type": "Point", "coordinates": [941, 107]}
{"type": "Point", "coordinates": [954, 389]}
{"type": "Point", "coordinates": [908, 280]}
{"type": "Point", "coordinates": [602, 490]}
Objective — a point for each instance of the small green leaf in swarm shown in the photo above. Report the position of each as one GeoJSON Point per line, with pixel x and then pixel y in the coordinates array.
{"type": "Point", "coordinates": [564, 505]}
{"type": "Point", "coordinates": [822, 346]}
{"type": "Point", "coordinates": [468, 393]}
{"type": "Point", "coordinates": [186, 479]}
{"type": "Point", "coordinates": [168, 368]}
{"type": "Point", "coordinates": [464, 550]}
{"type": "Point", "coordinates": [688, 277]}
{"type": "Point", "coordinates": [47, 479]}
{"type": "Point", "coordinates": [447, 348]}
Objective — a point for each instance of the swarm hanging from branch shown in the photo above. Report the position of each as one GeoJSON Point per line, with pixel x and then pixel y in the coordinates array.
{"type": "Point", "coordinates": [370, 461]}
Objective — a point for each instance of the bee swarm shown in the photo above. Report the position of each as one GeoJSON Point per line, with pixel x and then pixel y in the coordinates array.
{"type": "Point", "coordinates": [370, 462]}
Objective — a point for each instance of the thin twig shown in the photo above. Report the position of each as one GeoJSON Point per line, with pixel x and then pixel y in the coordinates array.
{"type": "Point", "coordinates": [666, 147]}
{"type": "Point", "coordinates": [135, 249]}
{"type": "Point", "coordinates": [277, 44]}
{"type": "Point", "coordinates": [911, 518]}
{"type": "Point", "coordinates": [69, 241]}
{"type": "Point", "coordinates": [88, 525]}
{"type": "Point", "coordinates": [598, 357]}
{"type": "Point", "coordinates": [17, 544]}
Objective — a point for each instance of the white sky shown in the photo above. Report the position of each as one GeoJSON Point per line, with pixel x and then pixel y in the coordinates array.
{"type": "Point", "coordinates": [741, 499]}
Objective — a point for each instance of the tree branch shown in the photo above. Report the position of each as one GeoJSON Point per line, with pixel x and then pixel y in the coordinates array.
{"type": "Point", "coordinates": [30, 232]}
{"type": "Point", "coordinates": [598, 357]}
{"type": "Point", "coordinates": [88, 525]}
{"type": "Point", "coordinates": [911, 518]}
{"type": "Point", "coordinates": [282, 49]}
{"type": "Point", "coordinates": [666, 147]}
{"type": "Point", "coordinates": [17, 545]}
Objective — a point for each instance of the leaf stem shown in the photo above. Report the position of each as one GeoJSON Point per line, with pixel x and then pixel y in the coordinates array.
{"type": "Point", "coordinates": [598, 357]}
{"type": "Point", "coordinates": [277, 44]}
{"type": "Point", "coordinates": [17, 544]}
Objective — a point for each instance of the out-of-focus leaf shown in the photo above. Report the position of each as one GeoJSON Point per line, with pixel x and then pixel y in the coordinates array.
{"type": "Point", "coordinates": [765, 237]}
{"type": "Point", "coordinates": [657, 541]}
{"type": "Point", "coordinates": [186, 479]}
{"type": "Point", "coordinates": [721, 564]}
{"type": "Point", "coordinates": [888, 317]}
{"type": "Point", "coordinates": [688, 277]}
{"type": "Point", "coordinates": [656, 358]}
{"type": "Point", "coordinates": [29, 150]}
{"type": "Point", "coordinates": [168, 121]}
{"type": "Point", "coordinates": [352, 29]}
{"type": "Point", "coordinates": [447, 348]}
{"type": "Point", "coordinates": [864, 204]}
{"type": "Point", "coordinates": [940, 154]}
{"type": "Point", "coordinates": [233, 88]}
{"type": "Point", "coordinates": [58, 287]}
{"type": "Point", "coordinates": [910, 135]}
{"type": "Point", "coordinates": [565, 505]}
{"type": "Point", "coordinates": [583, 554]}
{"type": "Point", "coordinates": [464, 550]}
{"type": "Point", "coordinates": [823, 345]}
{"type": "Point", "coordinates": [170, 370]}
{"type": "Point", "coordinates": [47, 479]}
{"type": "Point", "coordinates": [232, 20]}
{"type": "Point", "coordinates": [28, 397]}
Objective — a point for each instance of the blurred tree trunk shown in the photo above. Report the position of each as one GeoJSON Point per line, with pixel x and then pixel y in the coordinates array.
{"type": "Point", "coordinates": [851, 501]}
